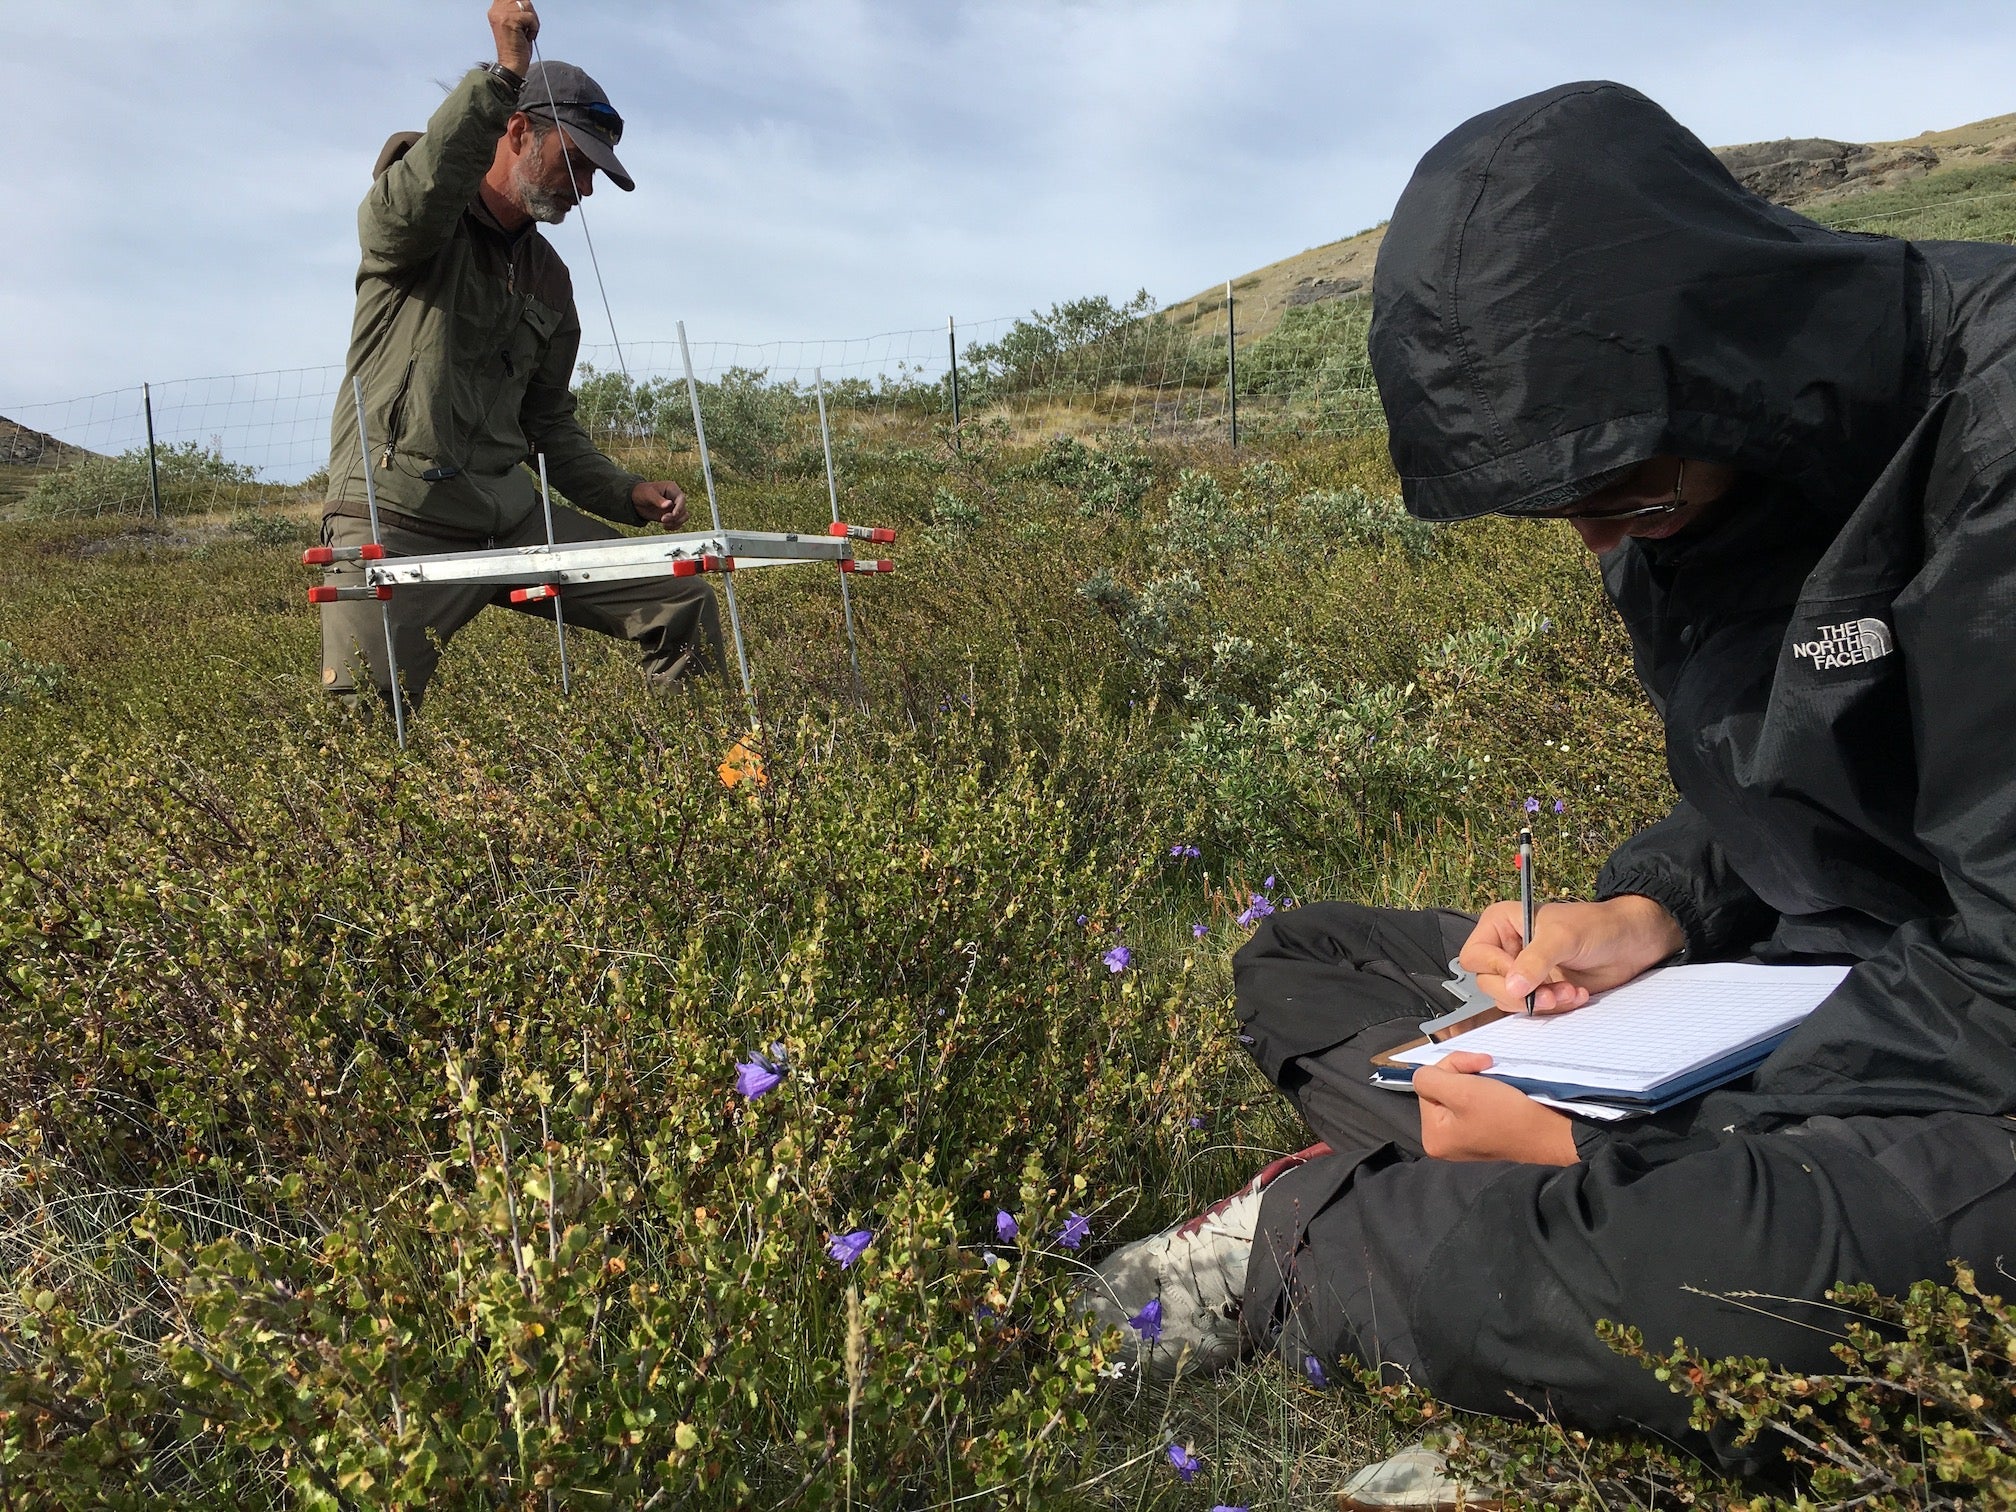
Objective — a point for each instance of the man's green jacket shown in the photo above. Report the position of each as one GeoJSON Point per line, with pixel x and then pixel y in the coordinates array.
{"type": "Point", "coordinates": [465, 338]}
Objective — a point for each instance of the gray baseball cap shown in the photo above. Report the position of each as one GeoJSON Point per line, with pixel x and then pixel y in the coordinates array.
{"type": "Point", "coordinates": [561, 92]}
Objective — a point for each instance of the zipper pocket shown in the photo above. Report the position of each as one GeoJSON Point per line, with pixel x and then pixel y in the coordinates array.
{"type": "Point", "coordinates": [395, 415]}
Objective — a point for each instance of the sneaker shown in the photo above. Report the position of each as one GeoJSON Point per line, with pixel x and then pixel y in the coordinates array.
{"type": "Point", "coordinates": [1196, 1272]}
{"type": "Point", "coordinates": [1414, 1480]}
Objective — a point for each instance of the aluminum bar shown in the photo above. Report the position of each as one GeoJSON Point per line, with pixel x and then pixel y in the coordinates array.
{"type": "Point", "coordinates": [714, 509]}
{"type": "Point", "coordinates": [378, 540]}
{"type": "Point", "coordinates": [559, 620]}
{"type": "Point", "coordinates": [607, 561]}
{"type": "Point", "coordinates": [833, 495]}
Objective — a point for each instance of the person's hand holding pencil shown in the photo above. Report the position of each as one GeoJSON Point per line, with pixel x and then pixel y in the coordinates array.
{"type": "Point", "coordinates": [1577, 949]}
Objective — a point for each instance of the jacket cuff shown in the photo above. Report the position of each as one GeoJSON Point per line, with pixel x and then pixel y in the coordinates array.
{"type": "Point", "coordinates": [509, 85]}
{"type": "Point", "coordinates": [1675, 897]}
{"type": "Point", "coordinates": [626, 505]}
{"type": "Point", "coordinates": [1590, 1134]}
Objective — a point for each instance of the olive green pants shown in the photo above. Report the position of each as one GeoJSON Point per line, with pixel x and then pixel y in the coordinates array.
{"type": "Point", "coordinates": [673, 621]}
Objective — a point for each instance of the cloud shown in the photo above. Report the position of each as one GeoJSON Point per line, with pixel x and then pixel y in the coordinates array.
{"type": "Point", "coordinates": [836, 167]}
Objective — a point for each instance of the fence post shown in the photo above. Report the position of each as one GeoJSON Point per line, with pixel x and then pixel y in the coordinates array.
{"type": "Point", "coordinates": [153, 465]}
{"type": "Point", "coordinates": [952, 342]}
{"type": "Point", "coordinates": [1231, 365]}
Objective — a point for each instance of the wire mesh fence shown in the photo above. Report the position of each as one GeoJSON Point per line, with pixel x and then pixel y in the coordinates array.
{"type": "Point", "coordinates": [247, 440]}
{"type": "Point", "coordinates": [182, 446]}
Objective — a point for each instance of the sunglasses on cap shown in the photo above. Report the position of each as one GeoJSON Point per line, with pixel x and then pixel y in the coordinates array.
{"type": "Point", "coordinates": [595, 115]}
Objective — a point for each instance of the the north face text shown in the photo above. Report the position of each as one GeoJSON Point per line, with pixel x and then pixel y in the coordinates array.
{"type": "Point", "coordinates": [1845, 645]}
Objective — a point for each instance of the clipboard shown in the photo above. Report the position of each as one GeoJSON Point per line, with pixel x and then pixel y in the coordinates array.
{"type": "Point", "coordinates": [1645, 1059]}
{"type": "Point", "coordinates": [1474, 1009]}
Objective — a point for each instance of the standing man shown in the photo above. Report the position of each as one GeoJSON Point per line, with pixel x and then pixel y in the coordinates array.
{"type": "Point", "coordinates": [465, 338]}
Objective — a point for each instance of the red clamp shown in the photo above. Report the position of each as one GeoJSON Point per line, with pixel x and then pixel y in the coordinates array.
{"type": "Point", "coordinates": [881, 535]}
{"type": "Point", "coordinates": [849, 564]}
{"type": "Point", "coordinates": [330, 594]}
{"type": "Point", "coordinates": [689, 567]}
{"type": "Point", "coordinates": [538, 593]}
{"type": "Point", "coordinates": [322, 556]}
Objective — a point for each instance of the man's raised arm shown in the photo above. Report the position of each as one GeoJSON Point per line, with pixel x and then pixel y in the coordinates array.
{"type": "Point", "coordinates": [413, 206]}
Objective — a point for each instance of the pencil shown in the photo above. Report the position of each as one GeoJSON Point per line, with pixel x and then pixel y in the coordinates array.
{"type": "Point", "coordinates": [1526, 893]}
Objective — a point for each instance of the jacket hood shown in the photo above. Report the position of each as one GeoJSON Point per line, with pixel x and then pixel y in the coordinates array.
{"type": "Point", "coordinates": [1572, 283]}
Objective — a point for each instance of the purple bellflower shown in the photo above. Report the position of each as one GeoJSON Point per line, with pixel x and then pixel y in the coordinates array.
{"type": "Point", "coordinates": [756, 1076]}
{"type": "Point", "coordinates": [1187, 1464]}
{"type": "Point", "coordinates": [1005, 1226]}
{"type": "Point", "coordinates": [1532, 805]}
{"type": "Point", "coordinates": [1198, 931]}
{"type": "Point", "coordinates": [1148, 1321]}
{"type": "Point", "coordinates": [1117, 959]}
{"type": "Point", "coordinates": [1256, 910]}
{"type": "Point", "coordinates": [1313, 1368]}
{"type": "Point", "coordinates": [847, 1248]}
{"type": "Point", "coordinates": [1076, 1229]}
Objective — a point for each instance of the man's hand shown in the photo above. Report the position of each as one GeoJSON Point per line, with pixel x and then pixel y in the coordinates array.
{"type": "Point", "coordinates": [1465, 1116]}
{"type": "Point", "coordinates": [662, 502]}
{"type": "Point", "coordinates": [1576, 949]}
{"type": "Point", "coordinates": [514, 23]}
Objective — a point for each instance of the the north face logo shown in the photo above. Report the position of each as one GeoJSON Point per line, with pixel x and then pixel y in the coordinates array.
{"type": "Point", "coordinates": [1846, 645]}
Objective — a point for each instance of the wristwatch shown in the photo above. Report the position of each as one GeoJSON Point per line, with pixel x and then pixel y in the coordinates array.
{"type": "Point", "coordinates": [511, 81]}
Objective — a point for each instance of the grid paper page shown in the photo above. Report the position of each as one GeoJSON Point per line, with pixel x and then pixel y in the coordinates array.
{"type": "Point", "coordinates": [1662, 1025]}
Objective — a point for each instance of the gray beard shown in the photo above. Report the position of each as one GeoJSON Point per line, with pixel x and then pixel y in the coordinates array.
{"type": "Point", "coordinates": [540, 203]}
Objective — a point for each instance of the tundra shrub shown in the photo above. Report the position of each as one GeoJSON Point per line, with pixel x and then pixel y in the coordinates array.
{"type": "Point", "coordinates": [193, 478]}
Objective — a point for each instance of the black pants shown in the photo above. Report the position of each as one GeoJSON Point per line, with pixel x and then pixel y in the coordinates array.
{"type": "Point", "coordinates": [1482, 1282]}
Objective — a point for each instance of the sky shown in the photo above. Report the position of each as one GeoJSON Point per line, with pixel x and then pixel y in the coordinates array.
{"type": "Point", "coordinates": [182, 177]}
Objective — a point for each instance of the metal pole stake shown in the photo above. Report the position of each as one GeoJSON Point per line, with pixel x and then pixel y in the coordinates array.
{"type": "Point", "coordinates": [559, 621]}
{"type": "Point", "coordinates": [384, 609]}
{"type": "Point", "coordinates": [952, 341]}
{"type": "Point", "coordinates": [153, 466]}
{"type": "Point", "coordinates": [833, 495]}
{"type": "Point", "coordinates": [1232, 364]}
{"type": "Point", "coordinates": [714, 508]}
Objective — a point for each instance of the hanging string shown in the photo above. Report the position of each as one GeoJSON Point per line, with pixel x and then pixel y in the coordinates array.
{"type": "Point", "coordinates": [581, 205]}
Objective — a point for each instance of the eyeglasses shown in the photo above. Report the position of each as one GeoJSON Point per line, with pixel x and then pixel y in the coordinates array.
{"type": "Point", "coordinates": [1643, 511]}
{"type": "Point", "coordinates": [1638, 512]}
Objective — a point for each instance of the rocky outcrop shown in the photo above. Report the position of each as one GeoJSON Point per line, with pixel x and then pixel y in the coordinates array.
{"type": "Point", "coordinates": [1315, 290]}
{"type": "Point", "coordinates": [1804, 170]}
{"type": "Point", "coordinates": [22, 447]}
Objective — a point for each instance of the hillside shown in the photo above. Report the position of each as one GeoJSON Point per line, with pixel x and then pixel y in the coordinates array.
{"type": "Point", "coordinates": [1816, 175]}
{"type": "Point", "coordinates": [26, 455]}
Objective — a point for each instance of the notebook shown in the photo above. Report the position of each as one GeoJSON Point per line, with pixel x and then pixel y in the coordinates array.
{"type": "Point", "coordinates": [1655, 1041]}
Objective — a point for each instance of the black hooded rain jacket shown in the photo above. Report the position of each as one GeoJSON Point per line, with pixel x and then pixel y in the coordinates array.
{"type": "Point", "coordinates": [1573, 283]}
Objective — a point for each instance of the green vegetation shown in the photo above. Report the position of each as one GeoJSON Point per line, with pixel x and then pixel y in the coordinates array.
{"type": "Point", "coordinates": [1959, 204]}
{"type": "Point", "coordinates": [193, 478]}
{"type": "Point", "coordinates": [369, 1123]}
{"type": "Point", "coordinates": [371, 1120]}
{"type": "Point", "coordinates": [371, 1127]}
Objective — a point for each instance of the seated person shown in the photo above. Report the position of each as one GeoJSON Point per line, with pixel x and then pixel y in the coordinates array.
{"type": "Point", "coordinates": [1794, 453]}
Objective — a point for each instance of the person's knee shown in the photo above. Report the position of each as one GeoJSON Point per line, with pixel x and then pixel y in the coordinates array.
{"type": "Point", "coordinates": [1333, 933]}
